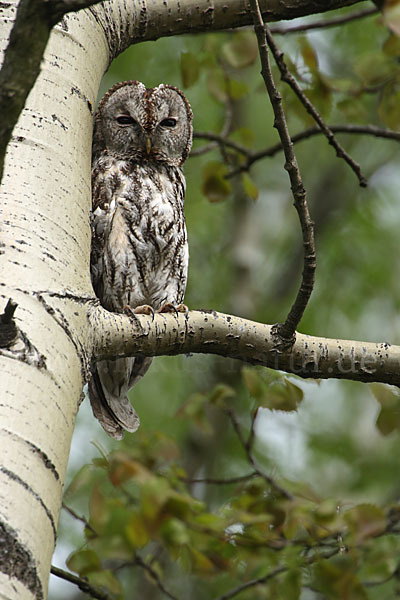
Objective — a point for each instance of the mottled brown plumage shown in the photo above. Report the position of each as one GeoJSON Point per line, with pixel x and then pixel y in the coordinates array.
{"type": "Point", "coordinates": [139, 245]}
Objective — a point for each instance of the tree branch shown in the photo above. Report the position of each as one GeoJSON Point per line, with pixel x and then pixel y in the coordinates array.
{"type": "Point", "coordinates": [82, 584]}
{"type": "Point", "coordinates": [286, 330]}
{"type": "Point", "coordinates": [324, 23]}
{"type": "Point", "coordinates": [154, 576]}
{"type": "Point", "coordinates": [303, 135]}
{"type": "Point", "coordinates": [247, 448]}
{"type": "Point", "coordinates": [217, 481]}
{"type": "Point", "coordinates": [209, 332]}
{"type": "Point", "coordinates": [287, 77]}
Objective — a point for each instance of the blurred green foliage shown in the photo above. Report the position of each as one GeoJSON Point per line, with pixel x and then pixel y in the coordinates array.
{"type": "Point", "coordinates": [186, 507]}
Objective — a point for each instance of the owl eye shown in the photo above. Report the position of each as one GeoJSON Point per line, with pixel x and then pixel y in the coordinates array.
{"type": "Point", "coordinates": [125, 120]}
{"type": "Point", "coordinates": [170, 122]}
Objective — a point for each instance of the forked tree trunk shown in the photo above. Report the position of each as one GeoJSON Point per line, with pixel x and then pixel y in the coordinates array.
{"type": "Point", "coordinates": [44, 259]}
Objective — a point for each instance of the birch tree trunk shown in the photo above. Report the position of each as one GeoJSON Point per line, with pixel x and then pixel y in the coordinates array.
{"type": "Point", "coordinates": [44, 254]}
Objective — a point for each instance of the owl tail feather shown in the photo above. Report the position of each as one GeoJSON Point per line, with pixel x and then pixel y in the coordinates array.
{"type": "Point", "coordinates": [115, 413]}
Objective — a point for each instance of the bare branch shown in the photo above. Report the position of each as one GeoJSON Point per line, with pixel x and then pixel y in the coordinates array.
{"type": "Point", "coordinates": [303, 135]}
{"type": "Point", "coordinates": [246, 447]}
{"type": "Point", "coordinates": [274, 573]}
{"type": "Point", "coordinates": [286, 330]}
{"type": "Point", "coordinates": [78, 518]}
{"type": "Point", "coordinates": [220, 140]}
{"type": "Point", "coordinates": [310, 108]}
{"type": "Point", "coordinates": [252, 583]}
{"type": "Point", "coordinates": [154, 575]}
{"type": "Point", "coordinates": [209, 332]}
{"type": "Point", "coordinates": [216, 481]}
{"type": "Point", "coordinates": [334, 22]}
{"type": "Point", "coordinates": [82, 584]}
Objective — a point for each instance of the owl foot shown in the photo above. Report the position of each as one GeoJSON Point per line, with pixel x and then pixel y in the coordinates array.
{"type": "Point", "coordinates": [171, 308]}
{"type": "Point", "coordinates": [144, 309]}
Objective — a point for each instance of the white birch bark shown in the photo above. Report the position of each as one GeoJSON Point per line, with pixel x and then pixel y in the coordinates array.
{"type": "Point", "coordinates": [45, 237]}
{"type": "Point", "coordinates": [44, 266]}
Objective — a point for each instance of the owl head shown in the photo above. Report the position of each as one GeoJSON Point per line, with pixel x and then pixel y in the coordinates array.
{"type": "Point", "coordinates": [140, 124]}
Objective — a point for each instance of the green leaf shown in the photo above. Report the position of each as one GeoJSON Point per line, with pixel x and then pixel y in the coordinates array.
{"type": "Point", "coordinates": [236, 89]}
{"type": "Point", "coordinates": [272, 391]}
{"type": "Point", "coordinates": [374, 68]}
{"type": "Point", "coordinates": [83, 562]}
{"type": "Point", "coordinates": [220, 394]}
{"type": "Point", "coordinates": [392, 46]}
{"type": "Point", "coordinates": [388, 419]}
{"type": "Point", "coordinates": [200, 562]}
{"type": "Point", "coordinates": [241, 51]}
{"type": "Point", "coordinates": [309, 54]}
{"type": "Point", "coordinates": [365, 521]}
{"type": "Point", "coordinates": [135, 531]}
{"type": "Point", "coordinates": [122, 468]}
{"type": "Point", "coordinates": [216, 84]}
{"type": "Point", "coordinates": [106, 579]}
{"type": "Point", "coordinates": [195, 409]}
{"type": "Point", "coordinates": [290, 585]}
{"type": "Point", "coordinates": [284, 396]}
{"type": "Point", "coordinates": [243, 135]}
{"type": "Point", "coordinates": [190, 69]}
{"type": "Point", "coordinates": [249, 187]}
{"type": "Point", "coordinates": [389, 106]}
{"type": "Point", "coordinates": [215, 187]}
{"type": "Point", "coordinates": [83, 479]}
{"type": "Point", "coordinates": [337, 580]}
{"type": "Point", "coordinates": [174, 532]}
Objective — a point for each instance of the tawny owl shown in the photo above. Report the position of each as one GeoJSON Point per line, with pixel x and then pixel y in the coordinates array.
{"type": "Point", "coordinates": [139, 245]}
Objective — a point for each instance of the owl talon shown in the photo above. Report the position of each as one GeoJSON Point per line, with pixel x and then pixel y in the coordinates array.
{"type": "Point", "coordinates": [145, 309]}
{"type": "Point", "coordinates": [171, 308]}
{"type": "Point", "coordinates": [182, 308]}
{"type": "Point", "coordinates": [128, 311]}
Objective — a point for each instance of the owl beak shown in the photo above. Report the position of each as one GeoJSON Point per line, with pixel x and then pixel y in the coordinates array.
{"type": "Point", "coordinates": [148, 145]}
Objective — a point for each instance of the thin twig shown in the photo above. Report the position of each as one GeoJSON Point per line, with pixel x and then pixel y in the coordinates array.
{"type": "Point", "coordinates": [287, 76]}
{"type": "Point", "coordinates": [79, 518]}
{"type": "Point", "coordinates": [308, 133]}
{"type": "Point", "coordinates": [286, 331]}
{"type": "Point", "coordinates": [334, 22]}
{"type": "Point", "coordinates": [221, 140]}
{"type": "Point", "coordinates": [252, 157]}
{"type": "Point", "coordinates": [216, 481]}
{"type": "Point", "coordinates": [250, 458]}
{"type": "Point", "coordinates": [252, 434]}
{"type": "Point", "coordinates": [82, 584]}
{"type": "Point", "coordinates": [252, 583]}
{"type": "Point", "coordinates": [226, 128]}
{"type": "Point", "coordinates": [274, 573]}
{"type": "Point", "coordinates": [154, 575]}
{"type": "Point", "coordinates": [370, 584]}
